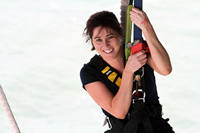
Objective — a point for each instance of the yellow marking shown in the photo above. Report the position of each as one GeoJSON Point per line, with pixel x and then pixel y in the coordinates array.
{"type": "Point", "coordinates": [105, 69]}
{"type": "Point", "coordinates": [112, 76]}
{"type": "Point", "coordinates": [118, 82]}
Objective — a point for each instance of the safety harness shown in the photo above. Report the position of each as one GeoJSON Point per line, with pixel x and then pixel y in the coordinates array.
{"type": "Point", "coordinates": [138, 113]}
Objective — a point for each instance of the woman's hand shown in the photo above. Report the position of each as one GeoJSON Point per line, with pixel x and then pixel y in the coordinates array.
{"type": "Point", "coordinates": [139, 18]}
{"type": "Point", "coordinates": [136, 61]}
{"type": "Point", "coordinates": [159, 59]}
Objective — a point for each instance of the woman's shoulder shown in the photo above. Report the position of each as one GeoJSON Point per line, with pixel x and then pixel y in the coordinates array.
{"type": "Point", "coordinates": [85, 70]}
{"type": "Point", "coordinates": [88, 74]}
{"type": "Point", "coordinates": [91, 66]}
{"type": "Point", "coordinates": [87, 67]}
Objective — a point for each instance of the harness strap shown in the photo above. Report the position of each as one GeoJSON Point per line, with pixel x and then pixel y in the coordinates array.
{"type": "Point", "coordinates": [147, 125]}
{"type": "Point", "coordinates": [104, 69]}
{"type": "Point", "coordinates": [139, 109]}
{"type": "Point", "coordinates": [139, 113]}
{"type": "Point", "coordinates": [119, 124]}
{"type": "Point", "coordinates": [137, 117]}
{"type": "Point", "coordinates": [137, 30]}
{"type": "Point", "coordinates": [140, 105]}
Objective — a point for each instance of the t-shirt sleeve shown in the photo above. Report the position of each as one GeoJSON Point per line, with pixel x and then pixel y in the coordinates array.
{"type": "Point", "coordinates": [87, 76]}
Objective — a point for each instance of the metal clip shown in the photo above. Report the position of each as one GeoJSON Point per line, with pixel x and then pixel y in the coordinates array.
{"type": "Point", "coordinates": [138, 95]}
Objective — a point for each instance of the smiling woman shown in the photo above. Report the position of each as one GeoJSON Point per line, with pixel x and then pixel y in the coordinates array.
{"type": "Point", "coordinates": [110, 82]}
{"type": "Point", "coordinates": [107, 44]}
{"type": "Point", "coordinates": [105, 33]}
{"type": "Point", "coordinates": [104, 19]}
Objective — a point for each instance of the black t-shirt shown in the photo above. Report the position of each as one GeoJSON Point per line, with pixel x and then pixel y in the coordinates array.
{"type": "Point", "coordinates": [88, 75]}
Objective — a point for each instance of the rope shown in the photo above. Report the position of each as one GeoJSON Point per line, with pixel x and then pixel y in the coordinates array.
{"type": "Point", "coordinates": [124, 5]}
{"type": "Point", "coordinates": [8, 111]}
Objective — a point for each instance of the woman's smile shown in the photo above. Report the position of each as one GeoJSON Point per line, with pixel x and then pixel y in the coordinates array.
{"type": "Point", "coordinates": [108, 51]}
{"type": "Point", "coordinates": [106, 43]}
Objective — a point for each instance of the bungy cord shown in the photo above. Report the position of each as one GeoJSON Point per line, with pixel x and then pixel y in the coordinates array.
{"type": "Point", "coordinates": [8, 111]}
{"type": "Point", "coordinates": [124, 5]}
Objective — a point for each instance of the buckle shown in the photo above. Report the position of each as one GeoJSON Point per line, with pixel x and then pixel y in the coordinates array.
{"type": "Point", "coordinates": [140, 72]}
{"type": "Point", "coordinates": [138, 95]}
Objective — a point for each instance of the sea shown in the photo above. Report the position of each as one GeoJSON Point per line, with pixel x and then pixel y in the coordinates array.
{"type": "Point", "coordinates": [42, 50]}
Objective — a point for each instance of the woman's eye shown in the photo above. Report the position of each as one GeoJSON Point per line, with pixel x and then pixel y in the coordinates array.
{"type": "Point", "coordinates": [110, 37]}
{"type": "Point", "coordinates": [98, 40]}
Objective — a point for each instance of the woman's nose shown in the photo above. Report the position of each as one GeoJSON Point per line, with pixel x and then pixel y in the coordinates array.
{"type": "Point", "coordinates": [106, 42]}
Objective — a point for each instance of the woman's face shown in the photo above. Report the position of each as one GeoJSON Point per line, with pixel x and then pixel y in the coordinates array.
{"type": "Point", "coordinates": [106, 43]}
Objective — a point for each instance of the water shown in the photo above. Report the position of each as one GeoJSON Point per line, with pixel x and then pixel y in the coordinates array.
{"type": "Point", "coordinates": [42, 51]}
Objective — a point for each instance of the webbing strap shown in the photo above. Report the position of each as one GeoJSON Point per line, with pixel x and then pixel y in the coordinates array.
{"type": "Point", "coordinates": [139, 113]}
{"type": "Point", "coordinates": [137, 117]}
{"type": "Point", "coordinates": [147, 125]}
{"type": "Point", "coordinates": [107, 72]}
{"type": "Point", "coordinates": [118, 126]}
{"type": "Point", "coordinates": [137, 30]}
{"type": "Point", "coordinates": [138, 36]}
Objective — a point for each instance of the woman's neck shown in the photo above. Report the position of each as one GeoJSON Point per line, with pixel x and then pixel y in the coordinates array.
{"type": "Point", "coordinates": [117, 63]}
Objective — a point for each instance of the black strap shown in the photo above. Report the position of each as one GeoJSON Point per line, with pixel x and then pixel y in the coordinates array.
{"type": "Point", "coordinates": [137, 30]}
{"type": "Point", "coordinates": [137, 117]}
{"type": "Point", "coordinates": [140, 113]}
{"type": "Point", "coordinates": [147, 125]}
{"type": "Point", "coordinates": [108, 72]}
{"type": "Point", "coordinates": [118, 125]}
{"type": "Point", "coordinates": [122, 126]}
{"type": "Point", "coordinates": [138, 36]}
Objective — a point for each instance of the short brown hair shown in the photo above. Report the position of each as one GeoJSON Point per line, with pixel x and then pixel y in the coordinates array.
{"type": "Point", "coordinates": [105, 19]}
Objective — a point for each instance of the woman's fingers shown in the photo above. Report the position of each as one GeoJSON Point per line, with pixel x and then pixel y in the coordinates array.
{"type": "Point", "coordinates": [139, 17]}
{"type": "Point", "coordinates": [137, 60]}
{"type": "Point", "coordinates": [141, 58]}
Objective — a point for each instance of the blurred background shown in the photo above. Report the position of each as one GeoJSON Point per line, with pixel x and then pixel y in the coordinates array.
{"type": "Point", "coordinates": [42, 51]}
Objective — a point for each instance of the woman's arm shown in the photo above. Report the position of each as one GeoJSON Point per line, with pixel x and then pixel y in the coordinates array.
{"type": "Point", "coordinates": [159, 59]}
{"type": "Point", "coordinates": [119, 104]}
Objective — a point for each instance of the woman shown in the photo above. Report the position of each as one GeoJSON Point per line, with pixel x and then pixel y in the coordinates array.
{"type": "Point", "coordinates": [105, 34]}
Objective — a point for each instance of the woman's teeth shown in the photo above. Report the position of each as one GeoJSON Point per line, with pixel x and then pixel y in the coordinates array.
{"type": "Point", "coordinates": [108, 51]}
